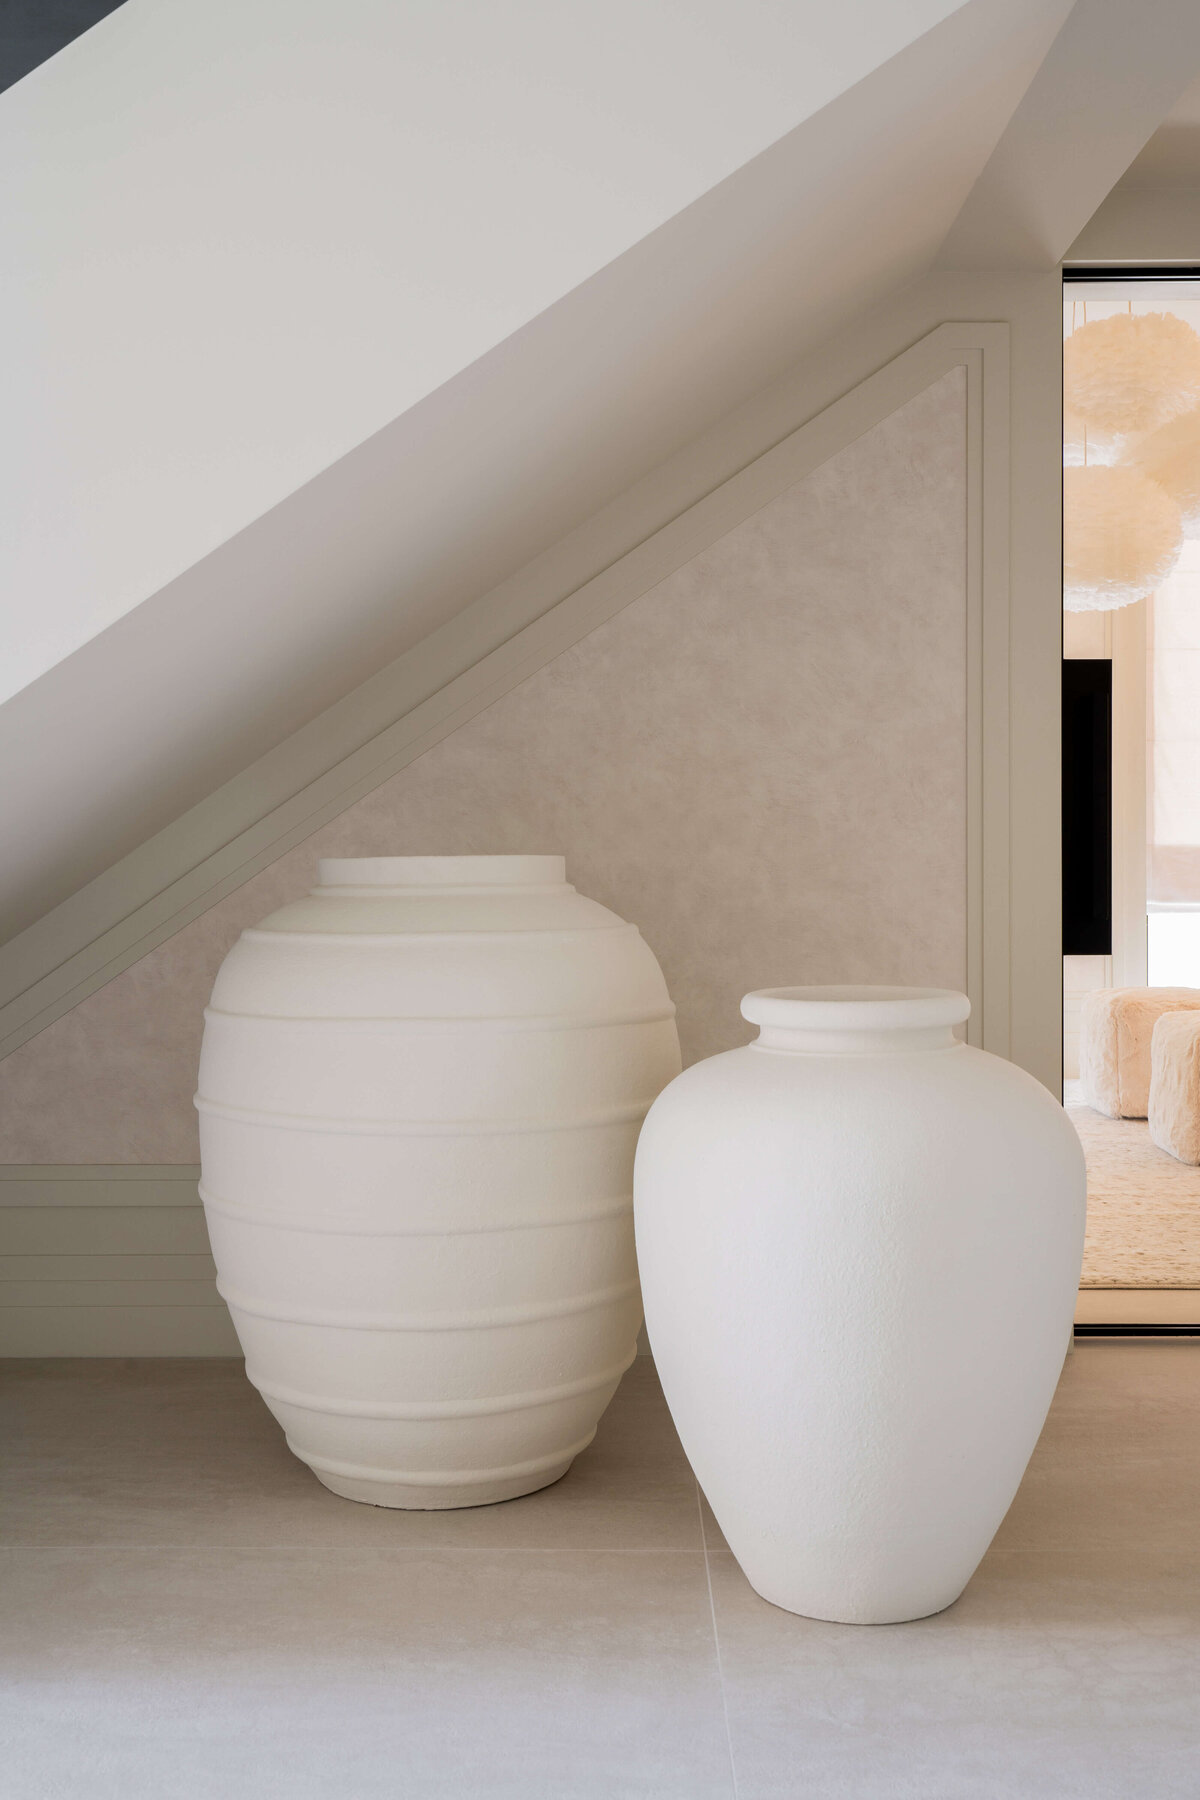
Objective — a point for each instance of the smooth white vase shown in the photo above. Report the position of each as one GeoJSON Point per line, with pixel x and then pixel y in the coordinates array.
{"type": "Point", "coordinates": [420, 1092]}
{"type": "Point", "coordinates": [860, 1246]}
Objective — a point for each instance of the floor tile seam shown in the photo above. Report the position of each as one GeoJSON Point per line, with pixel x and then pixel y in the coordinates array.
{"type": "Point", "coordinates": [1184, 1562]}
{"type": "Point", "coordinates": [324, 1548]}
{"type": "Point", "coordinates": [712, 1608]}
{"type": "Point", "coordinates": [1097, 1547]}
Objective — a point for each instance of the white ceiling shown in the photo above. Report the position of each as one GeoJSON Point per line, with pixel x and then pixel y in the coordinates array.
{"type": "Point", "coordinates": [1110, 77]}
{"type": "Point", "coordinates": [1171, 159]}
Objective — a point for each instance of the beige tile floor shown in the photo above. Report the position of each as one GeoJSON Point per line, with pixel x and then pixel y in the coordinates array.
{"type": "Point", "coordinates": [187, 1615]}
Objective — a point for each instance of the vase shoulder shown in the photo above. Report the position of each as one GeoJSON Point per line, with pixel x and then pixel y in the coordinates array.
{"type": "Point", "coordinates": [416, 896]}
{"type": "Point", "coordinates": [480, 941]}
{"type": "Point", "coordinates": [892, 1106]}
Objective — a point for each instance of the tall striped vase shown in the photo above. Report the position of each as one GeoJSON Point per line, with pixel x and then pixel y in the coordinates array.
{"type": "Point", "coordinates": [420, 1092]}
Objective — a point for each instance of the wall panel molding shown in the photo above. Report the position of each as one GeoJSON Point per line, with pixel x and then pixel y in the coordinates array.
{"type": "Point", "coordinates": [107, 1261]}
{"type": "Point", "coordinates": [222, 843]}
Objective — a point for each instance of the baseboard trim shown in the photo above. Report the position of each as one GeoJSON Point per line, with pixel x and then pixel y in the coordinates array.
{"type": "Point", "coordinates": [104, 1260]}
{"type": "Point", "coordinates": [99, 1184]}
{"type": "Point", "coordinates": [86, 1331]}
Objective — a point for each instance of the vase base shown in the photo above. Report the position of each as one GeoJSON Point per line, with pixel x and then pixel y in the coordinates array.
{"type": "Point", "coordinates": [856, 1615]}
{"type": "Point", "coordinates": [408, 1497]}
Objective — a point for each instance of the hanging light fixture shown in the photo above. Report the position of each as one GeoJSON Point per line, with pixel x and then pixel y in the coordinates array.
{"type": "Point", "coordinates": [1083, 443]}
{"type": "Point", "coordinates": [1121, 537]}
{"type": "Point", "coordinates": [1171, 457]}
{"type": "Point", "coordinates": [1132, 372]}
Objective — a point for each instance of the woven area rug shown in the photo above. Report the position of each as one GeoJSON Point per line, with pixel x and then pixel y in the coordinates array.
{"type": "Point", "coordinates": [1143, 1226]}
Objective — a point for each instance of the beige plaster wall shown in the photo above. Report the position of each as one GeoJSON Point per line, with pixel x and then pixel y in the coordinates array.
{"type": "Point", "coordinates": [761, 761]}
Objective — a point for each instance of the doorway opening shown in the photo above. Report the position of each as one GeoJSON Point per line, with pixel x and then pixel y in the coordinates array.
{"type": "Point", "coordinates": [1131, 779]}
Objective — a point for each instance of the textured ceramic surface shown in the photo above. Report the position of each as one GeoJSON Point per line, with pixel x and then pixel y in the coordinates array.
{"type": "Point", "coordinates": [860, 1244]}
{"type": "Point", "coordinates": [420, 1091]}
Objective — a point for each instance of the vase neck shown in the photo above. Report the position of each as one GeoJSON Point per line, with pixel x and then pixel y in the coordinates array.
{"type": "Point", "coordinates": [855, 1021]}
{"type": "Point", "coordinates": [360, 875]}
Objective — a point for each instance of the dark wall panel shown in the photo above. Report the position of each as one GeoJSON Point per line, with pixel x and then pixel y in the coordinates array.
{"type": "Point", "coordinates": [1087, 807]}
{"type": "Point", "coordinates": [33, 30]}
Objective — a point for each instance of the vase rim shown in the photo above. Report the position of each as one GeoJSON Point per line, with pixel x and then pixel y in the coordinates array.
{"type": "Point", "coordinates": [392, 872]}
{"type": "Point", "coordinates": [841, 1009]}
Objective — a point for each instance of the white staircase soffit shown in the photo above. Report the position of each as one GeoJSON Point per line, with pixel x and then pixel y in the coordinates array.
{"type": "Point", "coordinates": [385, 548]}
{"type": "Point", "coordinates": [240, 237]}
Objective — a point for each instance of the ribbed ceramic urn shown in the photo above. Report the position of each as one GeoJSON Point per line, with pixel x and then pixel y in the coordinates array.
{"type": "Point", "coordinates": [860, 1245]}
{"type": "Point", "coordinates": [420, 1093]}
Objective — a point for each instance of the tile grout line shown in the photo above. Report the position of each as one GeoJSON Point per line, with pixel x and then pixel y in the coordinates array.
{"type": "Point", "coordinates": [712, 1608]}
{"type": "Point", "coordinates": [414, 1549]}
{"type": "Point", "coordinates": [432, 1546]}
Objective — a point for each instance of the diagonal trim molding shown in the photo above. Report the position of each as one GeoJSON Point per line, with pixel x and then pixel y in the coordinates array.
{"type": "Point", "coordinates": [221, 843]}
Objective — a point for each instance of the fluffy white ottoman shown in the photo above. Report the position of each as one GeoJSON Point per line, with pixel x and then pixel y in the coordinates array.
{"type": "Point", "coordinates": [1115, 1029]}
{"type": "Point", "coordinates": [1175, 1085]}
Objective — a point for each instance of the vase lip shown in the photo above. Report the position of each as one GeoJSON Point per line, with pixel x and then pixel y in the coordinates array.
{"type": "Point", "coordinates": [841, 1009]}
{"type": "Point", "coordinates": [393, 872]}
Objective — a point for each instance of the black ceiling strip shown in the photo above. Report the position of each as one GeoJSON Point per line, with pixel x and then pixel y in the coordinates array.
{"type": "Point", "coordinates": [1128, 272]}
{"type": "Point", "coordinates": [1096, 1330]}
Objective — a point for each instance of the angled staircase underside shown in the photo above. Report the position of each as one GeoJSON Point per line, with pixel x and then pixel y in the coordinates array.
{"type": "Point", "coordinates": [339, 513]}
